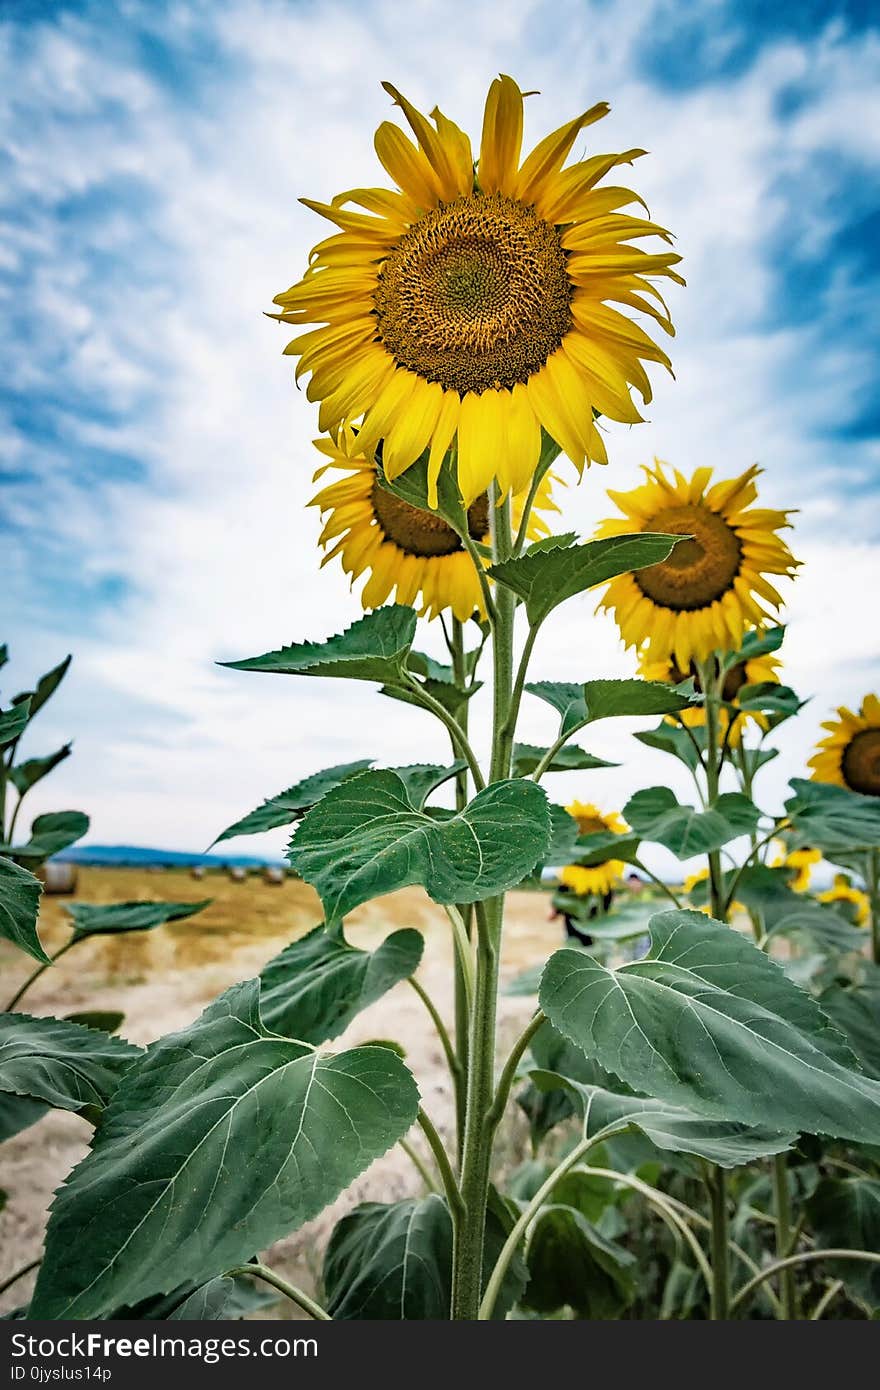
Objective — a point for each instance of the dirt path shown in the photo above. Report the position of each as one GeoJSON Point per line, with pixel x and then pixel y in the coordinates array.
{"type": "Point", "coordinates": [164, 978]}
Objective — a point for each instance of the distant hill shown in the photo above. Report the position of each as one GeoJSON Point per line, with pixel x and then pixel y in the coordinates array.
{"type": "Point", "coordinates": [136, 855]}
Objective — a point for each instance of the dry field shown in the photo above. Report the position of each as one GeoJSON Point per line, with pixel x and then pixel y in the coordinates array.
{"type": "Point", "coordinates": [162, 979]}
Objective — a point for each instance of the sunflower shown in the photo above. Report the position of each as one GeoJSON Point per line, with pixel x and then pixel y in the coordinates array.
{"type": "Point", "coordinates": [702, 876]}
{"type": "Point", "coordinates": [600, 879]}
{"type": "Point", "coordinates": [713, 587]}
{"type": "Point", "coordinates": [842, 891]}
{"type": "Point", "coordinates": [402, 547]}
{"type": "Point", "coordinates": [800, 862]}
{"type": "Point", "coordinates": [850, 754]}
{"type": "Point", "coordinates": [471, 305]}
{"type": "Point", "coordinates": [757, 670]}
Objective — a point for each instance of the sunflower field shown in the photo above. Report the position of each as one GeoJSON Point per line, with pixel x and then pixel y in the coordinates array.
{"type": "Point", "coordinates": [700, 1073]}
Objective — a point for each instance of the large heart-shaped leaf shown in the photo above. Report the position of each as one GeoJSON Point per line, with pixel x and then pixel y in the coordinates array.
{"type": "Point", "coordinates": [832, 819]}
{"type": "Point", "coordinates": [373, 649]}
{"type": "Point", "coordinates": [26, 775]}
{"type": "Point", "coordinates": [844, 1213]}
{"type": "Point", "coordinates": [316, 986]}
{"type": "Point", "coordinates": [63, 1064]}
{"type": "Point", "coordinates": [543, 578]}
{"type": "Point", "coordinates": [571, 1264]}
{"type": "Point", "coordinates": [856, 1012]}
{"type": "Point", "coordinates": [527, 756]}
{"type": "Point", "coordinates": [289, 806]}
{"type": "Point", "coordinates": [225, 1138]}
{"type": "Point", "coordinates": [89, 920]}
{"type": "Point", "coordinates": [669, 1127]}
{"type": "Point", "coordinates": [50, 834]}
{"type": "Point", "coordinates": [784, 912]}
{"type": "Point", "coordinates": [19, 906]}
{"type": "Point", "coordinates": [655, 814]}
{"type": "Point", "coordinates": [367, 838]}
{"type": "Point", "coordinates": [707, 1021]}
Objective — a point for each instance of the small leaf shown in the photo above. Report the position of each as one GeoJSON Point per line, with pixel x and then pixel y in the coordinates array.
{"type": "Point", "coordinates": [571, 1264]}
{"type": "Point", "coordinates": [654, 814]}
{"type": "Point", "coordinates": [683, 744]}
{"type": "Point", "coordinates": [366, 838]}
{"type": "Point", "coordinates": [61, 1063]}
{"type": "Point", "coordinates": [832, 818]}
{"type": "Point", "coordinates": [289, 806]}
{"type": "Point", "coordinates": [13, 722]}
{"type": "Point", "coordinates": [18, 1113]}
{"type": "Point", "coordinates": [50, 834]}
{"type": "Point", "coordinates": [208, 1303]}
{"type": "Point", "coordinates": [421, 779]}
{"type": "Point", "coordinates": [316, 986]}
{"type": "Point", "coordinates": [393, 1261]}
{"type": "Point", "coordinates": [26, 775]}
{"type": "Point", "coordinates": [544, 578]}
{"type": "Point", "coordinates": [566, 698]}
{"type": "Point", "coordinates": [89, 920]}
{"type": "Point", "coordinates": [629, 698]}
{"type": "Point", "coordinates": [373, 649]}
{"type": "Point", "coordinates": [768, 697]}
{"type": "Point", "coordinates": [708, 1021]}
{"type": "Point", "coordinates": [527, 756]}
{"type": "Point", "coordinates": [604, 845]}
{"type": "Point", "coordinates": [224, 1139]}
{"type": "Point", "coordinates": [19, 907]}
{"type": "Point", "coordinates": [46, 686]}
{"type": "Point", "coordinates": [412, 486]}
{"type": "Point", "coordinates": [755, 644]}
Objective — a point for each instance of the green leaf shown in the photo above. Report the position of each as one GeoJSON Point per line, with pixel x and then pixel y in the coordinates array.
{"type": "Point", "coordinates": [571, 1264]}
{"type": "Point", "coordinates": [545, 578]}
{"type": "Point", "coordinates": [46, 686]}
{"type": "Point", "coordinates": [708, 1021]}
{"type": "Point", "coordinates": [563, 836]}
{"type": "Point", "coordinates": [785, 912]}
{"type": "Point", "coordinates": [630, 698]}
{"type": "Point", "coordinates": [289, 806]}
{"type": "Point", "coordinates": [561, 542]}
{"type": "Point", "coordinates": [844, 1213]}
{"type": "Point", "coordinates": [670, 1127]}
{"type": "Point", "coordinates": [856, 1013]}
{"type": "Point", "coordinates": [412, 487]}
{"type": "Point", "coordinates": [61, 1063]}
{"type": "Point", "coordinates": [25, 775]}
{"type": "Point", "coordinates": [755, 644]}
{"type": "Point", "coordinates": [207, 1304]}
{"type": "Point", "coordinates": [421, 779]}
{"type": "Point", "coordinates": [224, 1139]}
{"type": "Point", "coordinates": [18, 1113]}
{"type": "Point", "coordinates": [679, 742]}
{"type": "Point", "coordinates": [50, 834]}
{"type": "Point", "coordinates": [373, 649]}
{"type": "Point", "coordinates": [316, 986]}
{"type": "Point", "coordinates": [104, 1020]}
{"type": "Point", "coordinates": [566, 698]}
{"type": "Point", "coordinates": [366, 838]}
{"type": "Point", "coordinates": [89, 920]}
{"type": "Point", "coordinates": [654, 814]}
{"type": "Point", "coordinates": [13, 722]}
{"type": "Point", "coordinates": [527, 756]}
{"type": "Point", "coordinates": [19, 908]}
{"type": "Point", "coordinates": [768, 697]}
{"type": "Point", "coordinates": [4, 654]}
{"type": "Point", "coordinates": [391, 1262]}
{"type": "Point", "coordinates": [832, 818]}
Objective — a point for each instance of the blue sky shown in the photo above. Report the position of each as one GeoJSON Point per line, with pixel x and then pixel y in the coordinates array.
{"type": "Point", "coordinates": [156, 458]}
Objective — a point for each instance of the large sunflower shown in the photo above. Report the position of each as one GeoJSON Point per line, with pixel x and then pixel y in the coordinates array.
{"type": "Point", "coordinates": [600, 879]}
{"type": "Point", "coordinates": [714, 585]}
{"type": "Point", "coordinates": [471, 306]}
{"type": "Point", "coordinates": [757, 670]}
{"type": "Point", "coordinates": [401, 546]}
{"type": "Point", "coordinates": [849, 756]}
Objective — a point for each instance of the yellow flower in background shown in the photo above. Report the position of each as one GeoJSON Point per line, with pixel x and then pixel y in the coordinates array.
{"type": "Point", "coordinates": [801, 862]}
{"type": "Point", "coordinates": [843, 891]}
{"type": "Point", "coordinates": [849, 756]}
{"type": "Point", "coordinates": [400, 546]}
{"type": "Point", "coordinates": [755, 671]}
{"type": "Point", "coordinates": [472, 305]}
{"type": "Point", "coordinates": [714, 586]}
{"type": "Point", "coordinates": [600, 879]}
{"type": "Point", "coordinates": [702, 876]}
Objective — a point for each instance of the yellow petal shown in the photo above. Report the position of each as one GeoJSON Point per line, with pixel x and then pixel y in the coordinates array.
{"type": "Point", "coordinates": [502, 136]}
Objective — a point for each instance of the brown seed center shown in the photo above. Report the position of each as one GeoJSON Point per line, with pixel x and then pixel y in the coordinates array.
{"type": "Point", "coordinates": [422, 533]}
{"type": "Point", "coordinates": [861, 763]}
{"type": "Point", "coordinates": [700, 569]}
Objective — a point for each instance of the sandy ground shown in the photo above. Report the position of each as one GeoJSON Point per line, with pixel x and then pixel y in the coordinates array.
{"type": "Point", "coordinates": [163, 979]}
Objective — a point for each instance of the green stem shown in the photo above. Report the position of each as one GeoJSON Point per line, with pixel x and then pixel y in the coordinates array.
{"type": "Point", "coordinates": [39, 971]}
{"type": "Point", "coordinates": [782, 1201]}
{"type": "Point", "coordinates": [459, 671]}
{"type": "Point", "coordinates": [420, 1167]}
{"type": "Point", "coordinates": [720, 1240]}
{"type": "Point", "coordinates": [537, 478]}
{"type": "Point", "coordinates": [463, 953]}
{"type": "Point", "coordinates": [445, 1040]}
{"type": "Point", "coordinates": [554, 748]}
{"type": "Point", "coordinates": [459, 738]}
{"type": "Point", "coordinates": [873, 882]}
{"type": "Point", "coordinates": [444, 1167]}
{"type": "Point", "coordinates": [19, 1274]}
{"type": "Point", "coordinates": [805, 1257]}
{"type": "Point", "coordinates": [664, 1207]}
{"type": "Point", "coordinates": [709, 683]}
{"type": "Point", "coordinates": [828, 1297]}
{"type": "Point", "coordinates": [506, 1079]}
{"type": "Point", "coordinates": [643, 868]}
{"type": "Point", "coordinates": [290, 1291]}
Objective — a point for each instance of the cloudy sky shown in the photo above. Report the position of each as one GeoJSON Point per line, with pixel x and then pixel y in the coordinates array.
{"type": "Point", "coordinates": [156, 457]}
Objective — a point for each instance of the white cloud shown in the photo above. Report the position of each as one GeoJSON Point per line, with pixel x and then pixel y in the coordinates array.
{"type": "Point", "coordinates": [217, 546]}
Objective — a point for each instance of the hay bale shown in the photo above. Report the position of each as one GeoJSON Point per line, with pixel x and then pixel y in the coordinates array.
{"type": "Point", "coordinates": [57, 878]}
{"type": "Point", "coordinates": [273, 873]}
{"type": "Point", "coordinates": [237, 873]}
{"type": "Point", "coordinates": [197, 871]}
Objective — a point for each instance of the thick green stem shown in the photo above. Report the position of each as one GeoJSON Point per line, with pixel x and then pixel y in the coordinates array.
{"type": "Point", "coordinates": [782, 1200]}
{"type": "Point", "coordinates": [459, 672]}
{"type": "Point", "coordinates": [720, 1239]}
